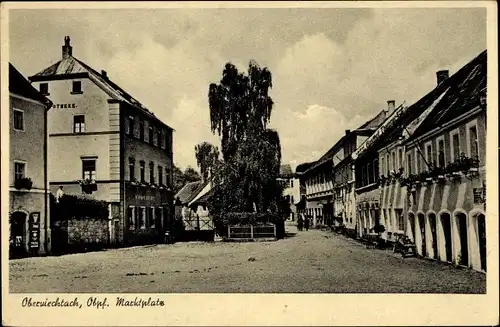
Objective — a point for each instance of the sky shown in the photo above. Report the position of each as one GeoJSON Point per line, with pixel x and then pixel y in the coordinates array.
{"type": "Point", "coordinates": [332, 69]}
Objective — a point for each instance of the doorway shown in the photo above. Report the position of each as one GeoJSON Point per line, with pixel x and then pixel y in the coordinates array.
{"type": "Point", "coordinates": [481, 229]}
{"type": "Point", "coordinates": [17, 234]}
{"type": "Point", "coordinates": [432, 224]}
{"type": "Point", "coordinates": [421, 226]}
{"type": "Point", "coordinates": [462, 235]}
{"type": "Point", "coordinates": [411, 219]}
{"type": "Point", "coordinates": [446, 224]}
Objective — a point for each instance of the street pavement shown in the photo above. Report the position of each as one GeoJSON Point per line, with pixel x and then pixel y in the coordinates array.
{"type": "Point", "coordinates": [311, 261]}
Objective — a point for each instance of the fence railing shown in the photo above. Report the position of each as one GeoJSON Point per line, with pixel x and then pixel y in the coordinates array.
{"type": "Point", "coordinates": [251, 232]}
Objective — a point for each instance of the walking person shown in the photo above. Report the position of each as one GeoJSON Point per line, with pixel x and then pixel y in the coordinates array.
{"type": "Point", "coordinates": [300, 223]}
{"type": "Point", "coordinates": [306, 224]}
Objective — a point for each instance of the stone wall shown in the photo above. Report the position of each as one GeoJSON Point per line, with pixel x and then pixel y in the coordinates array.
{"type": "Point", "coordinates": [88, 231]}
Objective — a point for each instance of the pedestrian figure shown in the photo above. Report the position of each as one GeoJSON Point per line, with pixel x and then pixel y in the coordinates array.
{"type": "Point", "coordinates": [306, 224]}
{"type": "Point", "coordinates": [300, 223]}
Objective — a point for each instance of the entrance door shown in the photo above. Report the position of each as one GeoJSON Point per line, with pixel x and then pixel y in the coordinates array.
{"type": "Point", "coordinates": [481, 229]}
{"type": "Point", "coordinates": [17, 234]}
{"type": "Point", "coordinates": [462, 233]}
{"type": "Point", "coordinates": [117, 231]}
{"type": "Point", "coordinates": [432, 223]}
{"type": "Point", "coordinates": [446, 223]}
{"type": "Point", "coordinates": [421, 226]}
{"type": "Point", "coordinates": [411, 218]}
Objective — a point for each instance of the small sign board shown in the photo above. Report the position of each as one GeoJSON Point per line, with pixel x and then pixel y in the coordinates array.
{"type": "Point", "coordinates": [34, 230]}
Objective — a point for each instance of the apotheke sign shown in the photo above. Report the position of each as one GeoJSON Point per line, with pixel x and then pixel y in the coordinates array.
{"type": "Point", "coordinates": [64, 105]}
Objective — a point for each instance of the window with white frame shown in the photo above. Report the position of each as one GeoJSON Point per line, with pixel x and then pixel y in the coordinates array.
{"type": "Point", "coordinates": [382, 165]}
{"type": "Point", "coordinates": [409, 163]}
{"type": "Point", "coordinates": [131, 217]}
{"type": "Point", "coordinates": [142, 217]}
{"type": "Point", "coordinates": [151, 217]}
{"type": "Point", "coordinates": [428, 154]}
{"type": "Point", "coordinates": [160, 175]}
{"type": "Point", "coordinates": [18, 119]}
{"type": "Point", "coordinates": [89, 168]}
{"type": "Point", "coordinates": [19, 170]}
{"type": "Point", "coordinates": [142, 171]}
{"type": "Point", "coordinates": [394, 163]}
{"type": "Point", "coordinates": [441, 159]}
{"type": "Point", "coordinates": [131, 168]}
{"type": "Point", "coordinates": [78, 123]}
{"type": "Point", "coordinates": [400, 158]}
{"type": "Point", "coordinates": [455, 145]}
{"type": "Point", "coordinates": [130, 125]}
{"type": "Point", "coordinates": [152, 172]}
{"type": "Point", "coordinates": [472, 140]}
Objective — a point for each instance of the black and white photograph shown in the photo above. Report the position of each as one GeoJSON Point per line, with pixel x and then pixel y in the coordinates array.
{"type": "Point", "coordinates": [246, 148]}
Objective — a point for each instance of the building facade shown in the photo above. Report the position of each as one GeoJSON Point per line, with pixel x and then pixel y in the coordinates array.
{"type": "Point", "coordinates": [291, 189]}
{"type": "Point", "coordinates": [105, 144]}
{"type": "Point", "coordinates": [29, 218]}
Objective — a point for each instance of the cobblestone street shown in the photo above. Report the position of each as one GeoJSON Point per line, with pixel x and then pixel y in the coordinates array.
{"type": "Point", "coordinates": [307, 262]}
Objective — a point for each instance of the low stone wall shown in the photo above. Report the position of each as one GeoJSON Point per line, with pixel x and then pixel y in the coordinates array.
{"type": "Point", "coordinates": [79, 235]}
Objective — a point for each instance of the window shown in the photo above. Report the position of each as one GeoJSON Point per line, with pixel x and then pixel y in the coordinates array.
{"type": "Point", "coordinates": [393, 163]}
{"type": "Point", "coordinates": [400, 219]}
{"type": "Point", "coordinates": [400, 157]}
{"type": "Point", "coordinates": [472, 146]}
{"type": "Point", "coordinates": [388, 160]}
{"type": "Point", "coordinates": [142, 217]}
{"type": "Point", "coordinates": [141, 129]}
{"type": "Point", "coordinates": [88, 169]}
{"type": "Point", "coordinates": [162, 137]}
{"type": "Point", "coordinates": [382, 165]}
{"type": "Point", "coordinates": [428, 154]}
{"type": "Point", "coordinates": [158, 137]}
{"type": "Point", "coordinates": [131, 217]}
{"type": "Point", "coordinates": [142, 171]}
{"type": "Point", "coordinates": [441, 162]}
{"type": "Point", "coordinates": [369, 173]}
{"type": "Point", "coordinates": [131, 168]}
{"type": "Point", "coordinates": [160, 175]}
{"type": "Point", "coordinates": [291, 183]}
{"type": "Point", "coordinates": [77, 87]}
{"type": "Point", "coordinates": [167, 176]}
{"type": "Point", "coordinates": [19, 170]}
{"type": "Point", "coordinates": [131, 125]}
{"type": "Point", "coordinates": [44, 88]}
{"type": "Point", "coordinates": [151, 217]}
{"type": "Point", "coordinates": [152, 172]}
{"type": "Point", "coordinates": [18, 117]}
{"type": "Point", "coordinates": [158, 214]}
{"type": "Point", "coordinates": [151, 134]}
{"type": "Point", "coordinates": [455, 146]}
{"type": "Point", "coordinates": [78, 124]}
{"type": "Point", "coordinates": [409, 164]}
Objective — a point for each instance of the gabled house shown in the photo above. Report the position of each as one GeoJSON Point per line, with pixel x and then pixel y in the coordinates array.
{"type": "Point", "coordinates": [29, 218]}
{"type": "Point", "coordinates": [105, 144]}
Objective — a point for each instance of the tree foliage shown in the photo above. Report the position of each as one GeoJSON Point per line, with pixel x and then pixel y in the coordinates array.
{"type": "Point", "coordinates": [207, 158]}
{"type": "Point", "coordinates": [240, 110]}
{"type": "Point", "coordinates": [181, 178]}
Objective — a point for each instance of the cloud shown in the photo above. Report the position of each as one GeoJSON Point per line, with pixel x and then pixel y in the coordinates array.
{"type": "Point", "coordinates": [333, 69]}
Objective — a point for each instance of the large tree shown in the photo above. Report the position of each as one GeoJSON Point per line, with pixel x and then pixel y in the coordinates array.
{"type": "Point", "coordinates": [207, 158]}
{"type": "Point", "coordinates": [240, 109]}
{"type": "Point", "coordinates": [181, 178]}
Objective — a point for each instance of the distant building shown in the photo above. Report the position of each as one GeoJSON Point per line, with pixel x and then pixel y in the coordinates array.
{"type": "Point", "coordinates": [291, 188]}
{"type": "Point", "coordinates": [29, 219]}
{"type": "Point", "coordinates": [329, 190]}
{"type": "Point", "coordinates": [105, 144]}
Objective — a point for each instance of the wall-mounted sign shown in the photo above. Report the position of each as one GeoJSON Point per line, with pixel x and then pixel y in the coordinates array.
{"type": "Point", "coordinates": [145, 197]}
{"type": "Point", "coordinates": [64, 105]}
{"type": "Point", "coordinates": [34, 230]}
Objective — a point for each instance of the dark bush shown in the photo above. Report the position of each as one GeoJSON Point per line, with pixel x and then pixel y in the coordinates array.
{"type": "Point", "coordinates": [75, 207]}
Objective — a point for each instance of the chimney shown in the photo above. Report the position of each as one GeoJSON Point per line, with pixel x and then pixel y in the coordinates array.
{"type": "Point", "coordinates": [67, 49]}
{"type": "Point", "coordinates": [347, 131]}
{"type": "Point", "coordinates": [391, 105]}
{"type": "Point", "coordinates": [442, 75]}
{"type": "Point", "coordinates": [104, 74]}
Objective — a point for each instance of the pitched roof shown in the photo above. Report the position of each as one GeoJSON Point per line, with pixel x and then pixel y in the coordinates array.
{"type": "Point", "coordinates": [464, 89]}
{"type": "Point", "coordinates": [189, 191]}
{"type": "Point", "coordinates": [303, 167]}
{"type": "Point", "coordinates": [71, 66]}
{"type": "Point", "coordinates": [286, 171]}
{"type": "Point", "coordinates": [370, 125]}
{"type": "Point", "coordinates": [19, 85]}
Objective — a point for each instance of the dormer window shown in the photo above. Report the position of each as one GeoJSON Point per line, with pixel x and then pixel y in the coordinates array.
{"type": "Point", "coordinates": [77, 87]}
{"type": "Point", "coordinates": [44, 88]}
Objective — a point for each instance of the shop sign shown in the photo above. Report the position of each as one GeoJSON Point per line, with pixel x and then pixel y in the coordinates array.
{"type": "Point", "coordinates": [145, 197]}
{"type": "Point", "coordinates": [34, 230]}
{"type": "Point", "coordinates": [64, 105]}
